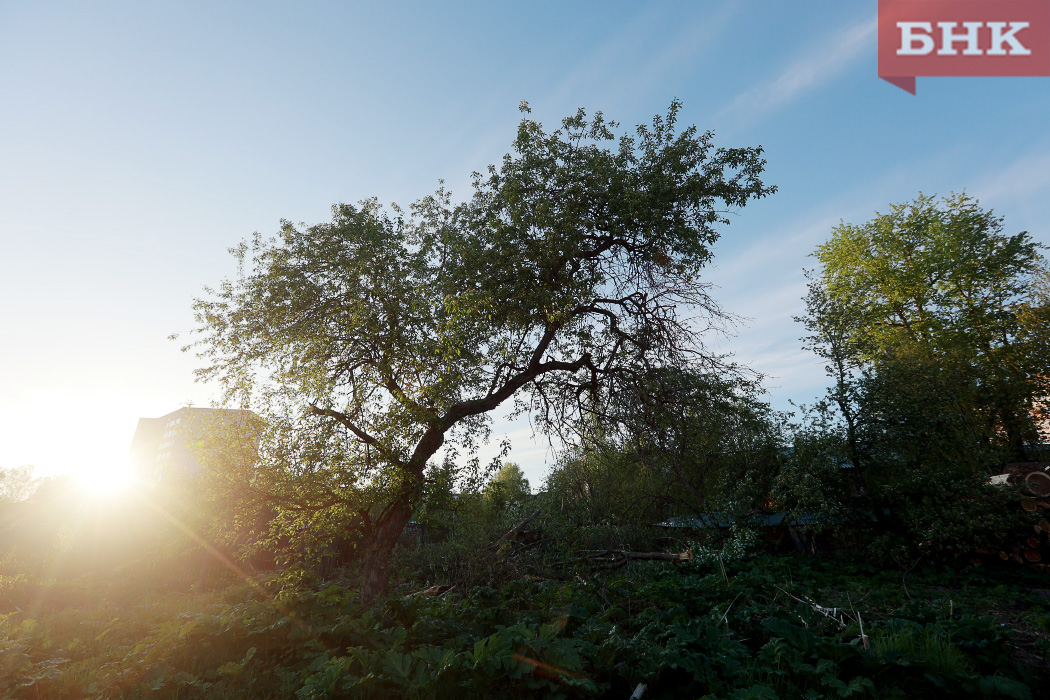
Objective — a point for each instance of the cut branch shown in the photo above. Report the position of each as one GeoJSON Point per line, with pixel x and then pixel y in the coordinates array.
{"type": "Point", "coordinates": [517, 528]}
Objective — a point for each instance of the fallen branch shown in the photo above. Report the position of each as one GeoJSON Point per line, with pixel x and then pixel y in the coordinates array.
{"type": "Point", "coordinates": [432, 591]}
{"type": "Point", "coordinates": [615, 558]}
{"type": "Point", "coordinates": [864, 641]}
{"type": "Point", "coordinates": [509, 534]}
{"type": "Point", "coordinates": [725, 615]}
{"type": "Point", "coordinates": [835, 614]}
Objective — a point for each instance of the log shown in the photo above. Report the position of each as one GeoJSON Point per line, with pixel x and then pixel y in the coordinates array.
{"type": "Point", "coordinates": [1029, 505]}
{"type": "Point", "coordinates": [1043, 526]}
{"type": "Point", "coordinates": [1016, 558]}
{"type": "Point", "coordinates": [687, 555]}
{"type": "Point", "coordinates": [1037, 483]}
{"type": "Point", "coordinates": [1033, 555]}
{"type": "Point", "coordinates": [432, 591]}
{"type": "Point", "coordinates": [1032, 542]}
{"type": "Point", "coordinates": [622, 556]}
{"type": "Point", "coordinates": [517, 528]}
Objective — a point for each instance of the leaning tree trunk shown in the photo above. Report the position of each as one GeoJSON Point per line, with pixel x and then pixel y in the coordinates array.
{"type": "Point", "coordinates": [387, 528]}
{"type": "Point", "coordinates": [375, 569]}
{"type": "Point", "coordinates": [375, 572]}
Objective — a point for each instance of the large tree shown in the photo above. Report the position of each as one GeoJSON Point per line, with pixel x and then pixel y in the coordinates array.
{"type": "Point", "coordinates": [383, 338]}
{"type": "Point", "coordinates": [935, 338]}
{"type": "Point", "coordinates": [941, 280]}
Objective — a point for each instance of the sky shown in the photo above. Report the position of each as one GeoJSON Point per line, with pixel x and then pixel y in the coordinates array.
{"type": "Point", "coordinates": [140, 141]}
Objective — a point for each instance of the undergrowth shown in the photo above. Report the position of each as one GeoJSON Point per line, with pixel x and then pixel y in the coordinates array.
{"type": "Point", "coordinates": [765, 628]}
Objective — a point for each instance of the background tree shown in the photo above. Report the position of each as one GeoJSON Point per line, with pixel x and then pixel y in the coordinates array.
{"type": "Point", "coordinates": [709, 437]}
{"type": "Point", "coordinates": [17, 483]}
{"type": "Point", "coordinates": [605, 485]}
{"type": "Point", "coordinates": [680, 443]}
{"type": "Point", "coordinates": [1034, 317]}
{"type": "Point", "coordinates": [812, 485]}
{"type": "Point", "coordinates": [508, 488]}
{"type": "Point", "coordinates": [940, 279]}
{"type": "Point", "coordinates": [383, 338]}
{"type": "Point", "coordinates": [927, 318]}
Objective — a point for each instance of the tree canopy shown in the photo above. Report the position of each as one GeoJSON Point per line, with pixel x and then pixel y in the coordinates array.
{"type": "Point", "coordinates": [932, 323]}
{"type": "Point", "coordinates": [927, 272]}
{"type": "Point", "coordinates": [939, 278]}
{"type": "Point", "coordinates": [386, 335]}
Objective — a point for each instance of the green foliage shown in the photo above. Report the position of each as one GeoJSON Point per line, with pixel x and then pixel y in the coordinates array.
{"type": "Point", "coordinates": [716, 549]}
{"type": "Point", "coordinates": [932, 337]}
{"type": "Point", "coordinates": [709, 436]}
{"type": "Point", "coordinates": [692, 631]}
{"type": "Point", "coordinates": [813, 484]}
{"type": "Point", "coordinates": [683, 442]}
{"type": "Point", "coordinates": [937, 288]}
{"type": "Point", "coordinates": [372, 342]}
{"type": "Point", "coordinates": [928, 272]}
{"type": "Point", "coordinates": [605, 487]}
{"type": "Point", "coordinates": [508, 491]}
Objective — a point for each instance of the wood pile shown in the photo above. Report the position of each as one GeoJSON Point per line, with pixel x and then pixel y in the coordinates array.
{"type": "Point", "coordinates": [1032, 548]}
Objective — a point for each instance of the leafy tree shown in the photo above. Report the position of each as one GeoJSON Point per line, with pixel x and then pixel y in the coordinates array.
{"type": "Point", "coordinates": [604, 485]}
{"type": "Point", "coordinates": [508, 486]}
{"type": "Point", "coordinates": [708, 436]}
{"type": "Point", "coordinates": [682, 443]}
{"type": "Point", "coordinates": [379, 339]}
{"type": "Point", "coordinates": [812, 485]}
{"type": "Point", "coordinates": [933, 335]}
{"type": "Point", "coordinates": [940, 279]}
{"type": "Point", "coordinates": [1034, 317]}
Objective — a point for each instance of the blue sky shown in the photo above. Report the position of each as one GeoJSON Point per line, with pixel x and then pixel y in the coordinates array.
{"type": "Point", "coordinates": [139, 141]}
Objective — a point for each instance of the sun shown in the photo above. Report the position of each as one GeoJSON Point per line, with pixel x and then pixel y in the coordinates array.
{"type": "Point", "coordinates": [104, 478]}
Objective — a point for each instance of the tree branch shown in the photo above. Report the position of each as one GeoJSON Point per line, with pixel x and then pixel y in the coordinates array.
{"type": "Point", "coordinates": [364, 437]}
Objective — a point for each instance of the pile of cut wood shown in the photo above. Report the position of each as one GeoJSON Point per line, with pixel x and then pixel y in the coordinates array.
{"type": "Point", "coordinates": [1032, 549]}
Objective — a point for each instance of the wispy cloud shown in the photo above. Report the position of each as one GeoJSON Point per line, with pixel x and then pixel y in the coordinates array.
{"type": "Point", "coordinates": [837, 52]}
{"type": "Point", "coordinates": [643, 56]}
{"type": "Point", "coordinates": [656, 49]}
{"type": "Point", "coordinates": [1019, 182]}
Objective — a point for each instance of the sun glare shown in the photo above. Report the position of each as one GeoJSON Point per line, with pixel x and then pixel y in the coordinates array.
{"type": "Point", "coordinates": [92, 449]}
{"type": "Point", "coordinates": [105, 478]}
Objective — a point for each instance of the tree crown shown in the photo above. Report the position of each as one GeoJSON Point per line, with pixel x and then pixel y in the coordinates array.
{"type": "Point", "coordinates": [562, 275]}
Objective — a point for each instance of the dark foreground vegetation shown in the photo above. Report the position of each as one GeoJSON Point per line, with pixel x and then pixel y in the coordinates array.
{"type": "Point", "coordinates": [153, 614]}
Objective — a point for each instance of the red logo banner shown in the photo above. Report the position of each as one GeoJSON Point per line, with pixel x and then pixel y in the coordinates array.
{"type": "Point", "coordinates": [962, 38]}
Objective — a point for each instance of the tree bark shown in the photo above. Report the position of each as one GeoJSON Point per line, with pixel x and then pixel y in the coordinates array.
{"type": "Point", "coordinates": [375, 568]}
